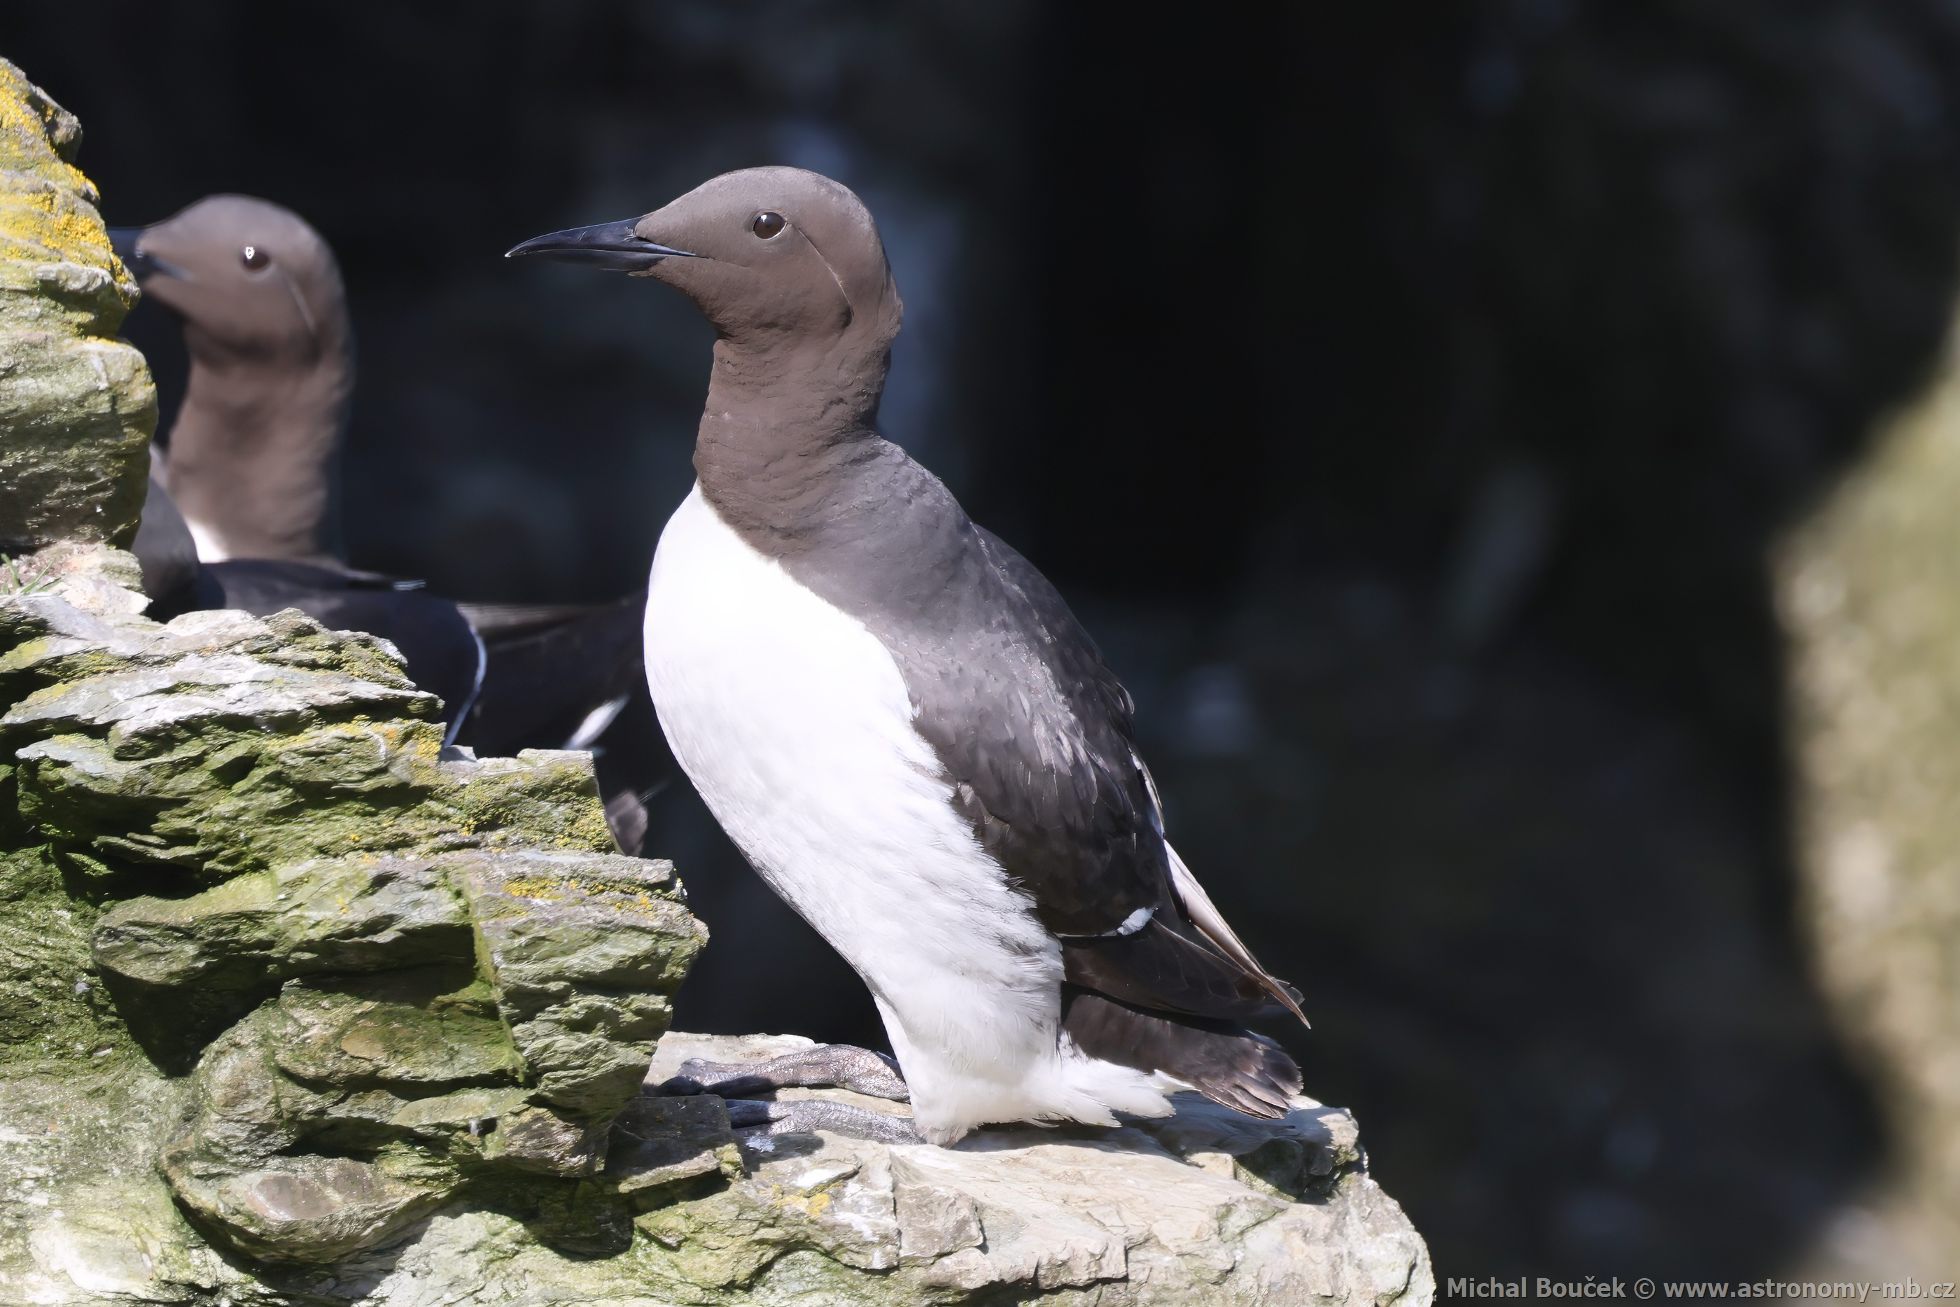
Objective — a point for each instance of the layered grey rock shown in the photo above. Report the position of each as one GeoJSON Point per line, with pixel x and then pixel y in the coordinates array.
{"type": "Point", "coordinates": [391, 978]}
{"type": "Point", "coordinates": [1205, 1207]}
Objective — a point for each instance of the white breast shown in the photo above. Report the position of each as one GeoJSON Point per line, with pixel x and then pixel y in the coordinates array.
{"type": "Point", "coordinates": [794, 723]}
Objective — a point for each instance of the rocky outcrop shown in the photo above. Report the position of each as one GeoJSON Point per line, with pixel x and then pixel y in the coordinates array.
{"type": "Point", "coordinates": [285, 981]}
{"type": "Point", "coordinates": [390, 977]}
{"type": "Point", "coordinates": [1204, 1207]}
{"type": "Point", "coordinates": [76, 404]}
{"type": "Point", "coordinates": [297, 1006]}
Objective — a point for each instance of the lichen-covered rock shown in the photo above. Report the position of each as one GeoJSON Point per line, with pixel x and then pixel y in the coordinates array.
{"type": "Point", "coordinates": [223, 743]}
{"type": "Point", "coordinates": [76, 405]}
{"type": "Point", "coordinates": [1189, 1211]}
{"type": "Point", "coordinates": [599, 930]}
{"type": "Point", "coordinates": [398, 978]}
{"type": "Point", "coordinates": [579, 961]}
{"type": "Point", "coordinates": [329, 1120]}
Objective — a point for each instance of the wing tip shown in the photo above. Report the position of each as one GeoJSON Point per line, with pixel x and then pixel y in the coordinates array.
{"type": "Point", "coordinates": [1288, 995]}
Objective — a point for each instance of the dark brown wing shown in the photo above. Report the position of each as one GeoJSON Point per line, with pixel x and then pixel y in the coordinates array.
{"type": "Point", "coordinates": [1050, 778]}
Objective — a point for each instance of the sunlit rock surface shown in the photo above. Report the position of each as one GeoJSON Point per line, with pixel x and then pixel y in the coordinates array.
{"type": "Point", "coordinates": [1205, 1207]}
{"type": "Point", "coordinates": [76, 404]}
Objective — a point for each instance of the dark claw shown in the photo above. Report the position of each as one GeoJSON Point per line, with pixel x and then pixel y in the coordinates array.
{"type": "Point", "coordinates": [746, 1112]}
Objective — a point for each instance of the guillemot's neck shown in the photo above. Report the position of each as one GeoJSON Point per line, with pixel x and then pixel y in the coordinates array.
{"type": "Point", "coordinates": [252, 453]}
{"type": "Point", "coordinates": [781, 432]}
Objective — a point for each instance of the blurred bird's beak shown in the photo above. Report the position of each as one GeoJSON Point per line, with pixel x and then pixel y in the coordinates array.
{"type": "Point", "coordinates": [141, 265]}
{"type": "Point", "coordinates": [608, 245]}
{"type": "Point", "coordinates": [123, 241]}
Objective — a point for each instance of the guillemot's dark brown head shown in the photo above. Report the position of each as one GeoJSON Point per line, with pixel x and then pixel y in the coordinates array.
{"type": "Point", "coordinates": [772, 256]}
{"type": "Point", "coordinates": [250, 279]}
{"type": "Point", "coordinates": [266, 325]}
{"type": "Point", "coordinates": [788, 268]}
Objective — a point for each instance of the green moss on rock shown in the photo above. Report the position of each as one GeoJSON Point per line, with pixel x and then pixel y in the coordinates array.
{"type": "Point", "coordinates": [396, 977]}
{"type": "Point", "coordinates": [52, 1010]}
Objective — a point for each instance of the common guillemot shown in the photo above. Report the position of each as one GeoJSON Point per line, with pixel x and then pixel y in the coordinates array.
{"type": "Point", "coordinates": [247, 475]}
{"type": "Point", "coordinates": [901, 724]}
{"type": "Point", "coordinates": [248, 469]}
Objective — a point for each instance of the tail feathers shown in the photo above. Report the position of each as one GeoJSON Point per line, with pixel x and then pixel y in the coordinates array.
{"type": "Point", "coordinates": [1237, 1068]}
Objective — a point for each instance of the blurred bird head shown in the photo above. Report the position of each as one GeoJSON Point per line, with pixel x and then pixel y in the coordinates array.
{"type": "Point", "coordinates": [251, 280]}
{"type": "Point", "coordinates": [770, 255]}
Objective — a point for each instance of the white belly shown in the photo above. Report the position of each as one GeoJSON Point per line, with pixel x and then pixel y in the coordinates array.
{"type": "Point", "coordinates": [794, 723]}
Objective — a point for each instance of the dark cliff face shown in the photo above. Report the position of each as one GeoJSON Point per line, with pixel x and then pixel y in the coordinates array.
{"type": "Point", "coordinates": [1409, 402]}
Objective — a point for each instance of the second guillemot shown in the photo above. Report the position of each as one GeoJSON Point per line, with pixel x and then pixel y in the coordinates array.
{"type": "Point", "coordinates": [901, 724]}
{"type": "Point", "coordinates": [248, 470]}
{"type": "Point", "coordinates": [239, 514]}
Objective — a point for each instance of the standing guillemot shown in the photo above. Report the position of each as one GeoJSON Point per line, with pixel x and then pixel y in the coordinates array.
{"type": "Point", "coordinates": [901, 724]}
{"type": "Point", "coordinates": [248, 471]}
{"type": "Point", "coordinates": [259, 297]}
{"type": "Point", "coordinates": [248, 476]}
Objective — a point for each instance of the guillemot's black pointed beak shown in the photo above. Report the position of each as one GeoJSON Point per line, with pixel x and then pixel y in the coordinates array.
{"type": "Point", "coordinates": [609, 245]}
{"type": "Point", "coordinates": [123, 241]}
{"type": "Point", "coordinates": [141, 263]}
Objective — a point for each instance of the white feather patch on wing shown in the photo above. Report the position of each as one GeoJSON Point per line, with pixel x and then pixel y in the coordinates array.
{"type": "Point", "coordinates": [595, 723]}
{"type": "Point", "coordinates": [459, 714]}
{"type": "Point", "coordinates": [210, 545]}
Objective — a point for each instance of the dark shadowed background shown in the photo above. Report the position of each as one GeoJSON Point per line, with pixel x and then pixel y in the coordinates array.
{"type": "Point", "coordinates": [1408, 401]}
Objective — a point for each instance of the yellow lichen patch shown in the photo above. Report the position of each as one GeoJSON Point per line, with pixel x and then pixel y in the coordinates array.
{"type": "Point", "coordinates": [29, 122]}
{"type": "Point", "coordinates": [79, 406]}
{"type": "Point", "coordinates": [42, 222]}
{"type": "Point", "coordinates": [537, 887]}
{"type": "Point", "coordinates": [422, 745]}
{"type": "Point", "coordinates": [810, 1204]}
{"type": "Point", "coordinates": [549, 888]}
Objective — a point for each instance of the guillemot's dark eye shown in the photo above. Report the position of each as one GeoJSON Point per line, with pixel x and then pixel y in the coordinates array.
{"type": "Point", "coordinates": [253, 257]}
{"type": "Point", "coordinates": [767, 224]}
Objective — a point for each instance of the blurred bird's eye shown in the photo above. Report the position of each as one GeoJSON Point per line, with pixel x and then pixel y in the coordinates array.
{"type": "Point", "coordinates": [767, 224]}
{"type": "Point", "coordinates": [253, 257]}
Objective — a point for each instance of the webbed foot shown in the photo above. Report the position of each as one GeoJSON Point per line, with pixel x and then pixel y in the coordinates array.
{"type": "Point", "coordinates": [839, 1066]}
{"type": "Point", "coordinates": [804, 1116]}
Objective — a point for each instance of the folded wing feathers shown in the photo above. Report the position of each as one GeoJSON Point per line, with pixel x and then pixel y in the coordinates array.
{"type": "Point", "coordinates": [1210, 922]}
